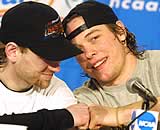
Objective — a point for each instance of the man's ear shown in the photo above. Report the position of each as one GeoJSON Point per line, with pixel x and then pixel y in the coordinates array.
{"type": "Point", "coordinates": [11, 50]}
{"type": "Point", "coordinates": [122, 36]}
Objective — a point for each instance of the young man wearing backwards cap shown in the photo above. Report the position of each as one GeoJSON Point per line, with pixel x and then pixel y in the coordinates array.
{"type": "Point", "coordinates": [32, 46]}
{"type": "Point", "coordinates": [110, 58]}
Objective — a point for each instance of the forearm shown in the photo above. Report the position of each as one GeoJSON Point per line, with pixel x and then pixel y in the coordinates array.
{"type": "Point", "coordinates": [41, 120]}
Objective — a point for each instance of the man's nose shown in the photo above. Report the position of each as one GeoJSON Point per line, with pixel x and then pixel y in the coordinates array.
{"type": "Point", "coordinates": [54, 66]}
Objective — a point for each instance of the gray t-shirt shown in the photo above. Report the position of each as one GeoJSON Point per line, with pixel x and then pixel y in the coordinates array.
{"type": "Point", "coordinates": [148, 70]}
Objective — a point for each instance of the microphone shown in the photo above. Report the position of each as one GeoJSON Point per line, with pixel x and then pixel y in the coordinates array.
{"type": "Point", "coordinates": [135, 85]}
{"type": "Point", "coordinates": [142, 119]}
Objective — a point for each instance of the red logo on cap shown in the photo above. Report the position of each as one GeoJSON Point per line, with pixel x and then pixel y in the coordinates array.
{"type": "Point", "coordinates": [54, 27]}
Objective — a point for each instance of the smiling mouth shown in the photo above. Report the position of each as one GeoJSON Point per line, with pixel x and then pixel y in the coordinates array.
{"type": "Point", "coordinates": [98, 64]}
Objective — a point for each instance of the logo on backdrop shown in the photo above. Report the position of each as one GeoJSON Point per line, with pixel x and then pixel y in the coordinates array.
{"type": "Point", "coordinates": [6, 4]}
{"type": "Point", "coordinates": [136, 5]}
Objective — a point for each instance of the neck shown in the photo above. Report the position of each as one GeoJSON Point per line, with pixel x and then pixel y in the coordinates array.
{"type": "Point", "coordinates": [13, 82]}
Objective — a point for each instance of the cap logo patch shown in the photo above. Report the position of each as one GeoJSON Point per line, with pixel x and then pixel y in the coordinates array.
{"type": "Point", "coordinates": [54, 27]}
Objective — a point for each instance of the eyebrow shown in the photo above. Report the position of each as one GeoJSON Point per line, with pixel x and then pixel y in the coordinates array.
{"type": "Point", "coordinates": [91, 32]}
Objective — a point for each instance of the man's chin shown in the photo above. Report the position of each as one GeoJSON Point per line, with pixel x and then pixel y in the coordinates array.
{"type": "Point", "coordinates": [43, 84]}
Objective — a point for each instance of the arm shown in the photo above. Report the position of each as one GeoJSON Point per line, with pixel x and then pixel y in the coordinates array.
{"type": "Point", "coordinates": [74, 115]}
{"type": "Point", "coordinates": [41, 120]}
{"type": "Point", "coordinates": [107, 116]}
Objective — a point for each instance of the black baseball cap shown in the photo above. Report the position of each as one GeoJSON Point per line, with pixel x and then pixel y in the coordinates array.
{"type": "Point", "coordinates": [94, 13]}
{"type": "Point", "coordinates": [38, 27]}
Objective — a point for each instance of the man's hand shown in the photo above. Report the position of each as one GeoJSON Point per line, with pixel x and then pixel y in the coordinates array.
{"type": "Point", "coordinates": [80, 114]}
{"type": "Point", "coordinates": [102, 116]}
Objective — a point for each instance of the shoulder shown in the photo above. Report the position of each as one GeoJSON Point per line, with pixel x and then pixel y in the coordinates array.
{"type": "Point", "coordinates": [56, 85]}
{"type": "Point", "coordinates": [153, 57]}
{"type": "Point", "coordinates": [83, 89]}
{"type": "Point", "coordinates": [153, 54]}
{"type": "Point", "coordinates": [56, 81]}
{"type": "Point", "coordinates": [85, 94]}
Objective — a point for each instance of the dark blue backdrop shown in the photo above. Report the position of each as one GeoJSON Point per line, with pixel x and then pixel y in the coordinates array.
{"type": "Point", "coordinates": [142, 17]}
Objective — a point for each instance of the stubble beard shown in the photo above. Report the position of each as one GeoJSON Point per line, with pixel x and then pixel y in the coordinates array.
{"type": "Point", "coordinates": [43, 83]}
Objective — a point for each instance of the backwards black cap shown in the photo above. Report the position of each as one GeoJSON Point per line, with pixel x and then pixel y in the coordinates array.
{"type": "Point", "coordinates": [93, 13]}
{"type": "Point", "coordinates": [37, 26]}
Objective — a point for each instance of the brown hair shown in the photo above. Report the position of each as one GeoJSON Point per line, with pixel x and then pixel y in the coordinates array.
{"type": "Point", "coordinates": [130, 39]}
{"type": "Point", "coordinates": [114, 28]}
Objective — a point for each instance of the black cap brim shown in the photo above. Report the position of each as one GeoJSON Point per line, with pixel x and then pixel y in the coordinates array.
{"type": "Point", "coordinates": [55, 49]}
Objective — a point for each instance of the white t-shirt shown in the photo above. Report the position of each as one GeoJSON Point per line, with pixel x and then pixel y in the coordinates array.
{"type": "Point", "coordinates": [56, 96]}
